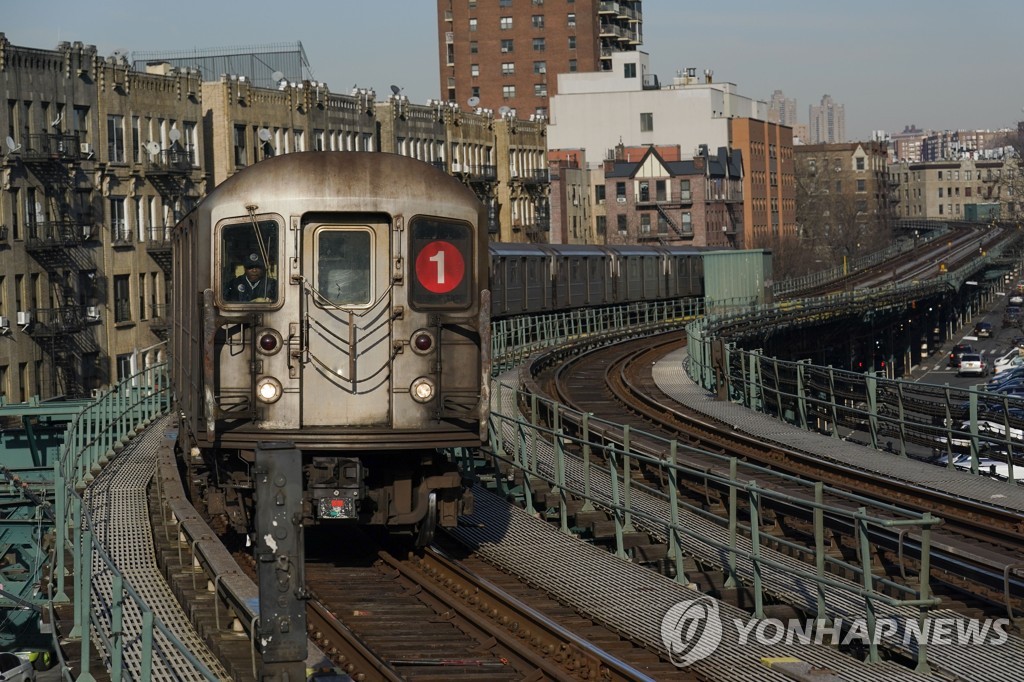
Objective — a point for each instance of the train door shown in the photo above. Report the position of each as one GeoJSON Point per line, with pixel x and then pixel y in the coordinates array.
{"type": "Point", "coordinates": [346, 376]}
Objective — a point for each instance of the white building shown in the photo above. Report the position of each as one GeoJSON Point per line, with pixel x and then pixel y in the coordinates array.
{"type": "Point", "coordinates": [598, 110]}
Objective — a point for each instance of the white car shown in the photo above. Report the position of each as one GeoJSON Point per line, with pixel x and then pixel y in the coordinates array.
{"type": "Point", "coordinates": [1012, 358]}
{"type": "Point", "coordinates": [14, 668]}
{"type": "Point", "coordinates": [994, 468]}
{"type": "Point", "coordinates": [972, 364]}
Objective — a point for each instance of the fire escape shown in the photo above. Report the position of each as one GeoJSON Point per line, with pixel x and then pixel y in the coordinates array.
{"type": "Point", "coordinates": [483, 180]}
{"type": "Point", "coordinates": [536, 187]}
{"type": "Point", "coordinates": [662, 204]}
{"type": "Point", "coordinates": [56, 235]}
{"type": "Point", "coordinates": [169, 171]}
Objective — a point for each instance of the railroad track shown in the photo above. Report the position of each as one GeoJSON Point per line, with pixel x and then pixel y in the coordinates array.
{"type": "Point", "coordinates": [970, 553]}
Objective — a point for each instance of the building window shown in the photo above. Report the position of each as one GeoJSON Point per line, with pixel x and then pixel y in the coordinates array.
{"type": "Point", "coordinates": [572, 42]}
{"type": "Point", "coordinates": [599, 193]}
{"type": "Point", "coordinates": [473, 47]}
{"type": "Point", "coordinates": [537, 20]}
{"type": "Point", "coordinates": [860, 163]}
{"type": "Point", "coordinates": [538, 44]}
{"type": "Point", "coordinates": [646, 122]}
{"type": "Point", "coordinates": [684, 190]}
{"type": "Point", "coordinates": [118, 225]}
{"type": "Point", "coordinates": [122, 299]}
{"type": "Point", "coordinates": [540, 67]}
{"type": "Point", "coordinates": [504, 3]}
{"type": "Point", "coordinates": [645, 223]}
{"type": "Point", "coordinates": [508, 91]}
{"type": "Point", "coordinates": [572, 20]}
{"type": "Point", "coordinates": [472, 24]}
{"type": "Point", "coordinates": [620, 221]}
{"type": "Point", "coordinates": [240, 146]}
{"type": "Point", "coordinates": [687, 223]}
{"type": "Point", "coordinates": [620, 191]}
{"type": "Point", "coordinates": [506, 45]}
{"type": "Point", "coordinates": [659, 190]}
{"type": "Point", "coordinates": [629, 70]}
{"type": "Point", "coordinates": [476, 91]}
{"type": "Point", "coordinates": [508, 68]}
{"type": "Point", "coordinates": [474, 70]}
{"type": "Point", "coordinates": [600, 224]}
{"type": "Point", "coordinates": [540, 90]}
{"type": "Point", "coordinates": [506, 23]}
{"type": "Point", "coordinates": [572, 66]}
{"type": "Point", "coordinates": [124, 366]}
{"type": "Point", "coordinates": [862, 185]}
{"type": "Point", "coordinates": [115, 139]}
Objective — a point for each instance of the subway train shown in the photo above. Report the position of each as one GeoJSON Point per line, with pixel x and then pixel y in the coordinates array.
{"type": "Point", "coordinates": [341, 303]}
{"type": "Point", "coordinates": [337, 302]}
{"type": "Point", "coordinates": [537, 278]}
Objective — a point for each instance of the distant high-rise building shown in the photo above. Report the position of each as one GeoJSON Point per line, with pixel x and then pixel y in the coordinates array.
{"type": "Point", "coordinates": [509, 54]}
{"type": "Point", "coordinates": [782, 109]}
{"type": "Point", "coordinates": [827, 122]}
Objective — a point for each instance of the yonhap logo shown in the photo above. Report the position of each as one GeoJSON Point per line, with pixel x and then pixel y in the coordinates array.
{"type": "Point", "coordinates": [691, 630]}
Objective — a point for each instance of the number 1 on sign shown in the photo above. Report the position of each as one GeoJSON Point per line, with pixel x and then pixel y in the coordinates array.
{"type": "Point", "coordinates": [439, 259]}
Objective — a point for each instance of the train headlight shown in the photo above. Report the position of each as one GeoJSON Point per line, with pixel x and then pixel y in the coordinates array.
{"type": "Point", "coordinates": [422, 390]}
{"type": "Point", "coordinates": [422, 341]}
{"type": "Point", "coordinates": [268, 390]}
{"type": "Point", "coordinates": [268, 341]}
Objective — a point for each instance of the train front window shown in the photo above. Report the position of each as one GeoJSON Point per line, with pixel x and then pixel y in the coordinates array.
{"type": "Point", "coordinates": [343, 261]}
{"type": "Point", "coordinates": [249, 261]}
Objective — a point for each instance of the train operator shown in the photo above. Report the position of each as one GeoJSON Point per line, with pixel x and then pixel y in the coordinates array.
{"type": "Point", "coordinates": [254, 284]}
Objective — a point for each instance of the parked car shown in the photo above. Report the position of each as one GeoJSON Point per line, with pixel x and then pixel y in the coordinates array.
{"type": "Point", "coordinates": [983, 330]}
{"type": "Point", "coordinates": [958, 350]}
{"type": "Point", "coordinates": [1011, 358]}
{"type": "Point", "coordinates": [1011, 316]}
{"type": "Point", "coordinates": [14, 668]}
{"type": "Point", "coordinates": [972, 364]}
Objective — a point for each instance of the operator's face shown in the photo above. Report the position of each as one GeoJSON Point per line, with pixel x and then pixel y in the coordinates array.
{"type": "Point", "coordinates": [253, 273]}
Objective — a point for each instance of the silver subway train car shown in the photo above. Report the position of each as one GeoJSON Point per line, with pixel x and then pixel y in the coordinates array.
{"type": "Point", "coordinates": [337, 301]}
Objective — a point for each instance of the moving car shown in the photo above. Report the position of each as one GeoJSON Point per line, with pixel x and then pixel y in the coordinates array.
{"type": "Point", "coordinates": [972, 364]}
{"type": "Point", "coordinates": [983, 330]}
{"type": "Point", "coordinates": [958, 350]}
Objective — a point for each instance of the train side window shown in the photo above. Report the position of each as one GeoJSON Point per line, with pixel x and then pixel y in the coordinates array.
{"type": "Point", "coordinates": [343, 259]}
{"type": "Point", "coordinates": [249, 261]}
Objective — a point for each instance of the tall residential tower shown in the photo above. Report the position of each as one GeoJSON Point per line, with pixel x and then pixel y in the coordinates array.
{"type": "Point", "coordinates": [508, 53]}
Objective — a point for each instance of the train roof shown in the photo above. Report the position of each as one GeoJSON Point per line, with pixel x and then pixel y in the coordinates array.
{"type": "Point", "coordinates": [506, 249]}
{"type": "Point", "coordinates": [635, 250]}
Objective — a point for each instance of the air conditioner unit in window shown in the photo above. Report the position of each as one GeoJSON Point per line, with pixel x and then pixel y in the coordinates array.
{"type": "Point", "coordinates": [621, 200]}
{"type": "Point", "coordinates": [24, 318]}
{"type": "Point", "coordinates": [92, 313]}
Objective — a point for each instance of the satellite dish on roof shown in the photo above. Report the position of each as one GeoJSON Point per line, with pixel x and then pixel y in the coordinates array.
{"type": "Point", "coordinates": [12, 146]}
{"type": "Point", "coordinates": [175, 134]}
{"type": "Point", "coordinates": [277, 76]}
{"type": "Point", "coordinates": [153, 148]}
{"type": "Point", "coordinates": [264, 134]}
{"type": "Point", "coordinates": [473, 102]}
{"type": "Point", "coordinates": [504, 111]}
{"type": "Point", "coordinates": [395, 90]}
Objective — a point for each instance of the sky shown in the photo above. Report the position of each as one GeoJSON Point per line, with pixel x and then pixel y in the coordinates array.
{"type": "Point", "coordinates": [937, 64]}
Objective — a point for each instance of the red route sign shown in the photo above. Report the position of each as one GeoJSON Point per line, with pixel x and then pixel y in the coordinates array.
{"type": "Point", "coordinates": [440, 267]}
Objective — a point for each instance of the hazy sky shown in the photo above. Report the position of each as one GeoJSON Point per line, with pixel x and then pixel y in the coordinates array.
{"type": "Point", "coordinates": [936, 63]}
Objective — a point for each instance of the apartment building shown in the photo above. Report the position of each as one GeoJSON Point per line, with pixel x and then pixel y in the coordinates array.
{"type": "Point", "coordinates": [962, 189]}
{"type": "Point", "coordinates": [505, 53]}
{"type": "Point", "coordinates": [827, 122]}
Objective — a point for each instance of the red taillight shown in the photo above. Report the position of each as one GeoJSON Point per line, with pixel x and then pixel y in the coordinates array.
{"type": "Point", "coordinates": [423, 342]}
{"type": "Point", "coordinates": [268, 343]}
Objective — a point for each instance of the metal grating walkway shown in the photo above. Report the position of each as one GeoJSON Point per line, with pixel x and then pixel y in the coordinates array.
{"type": "Point", "coordinates": [595, 591]}
{"type": "Point", "coordinates": [118, 503]}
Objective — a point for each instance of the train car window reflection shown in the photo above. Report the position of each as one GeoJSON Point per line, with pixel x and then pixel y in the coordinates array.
{"type": "Point", "coordinates": [343, 267]}
{"type": "Point", "coordinates": [249, 261]}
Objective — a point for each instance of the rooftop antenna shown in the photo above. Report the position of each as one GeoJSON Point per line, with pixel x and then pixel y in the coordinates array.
{"type": "Point", "coordinates": [153, 148]}
{"type": "Point", "coordinates": [55, 123]}
{"type": "Point", "coordinates": [174, 136]}
{"type": "Point", "coordinates": [395, 90]}
{"type": "Point", "coordinates": [264, 135]}
{"type": "Point", "coordinates": [504, 111]}
{"type": "Point", "coordinates": [473, 102]}
{"type": "Point", "coordinates": [279, 80]}
{"type": "Point", "coordinates": [12, 146]}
